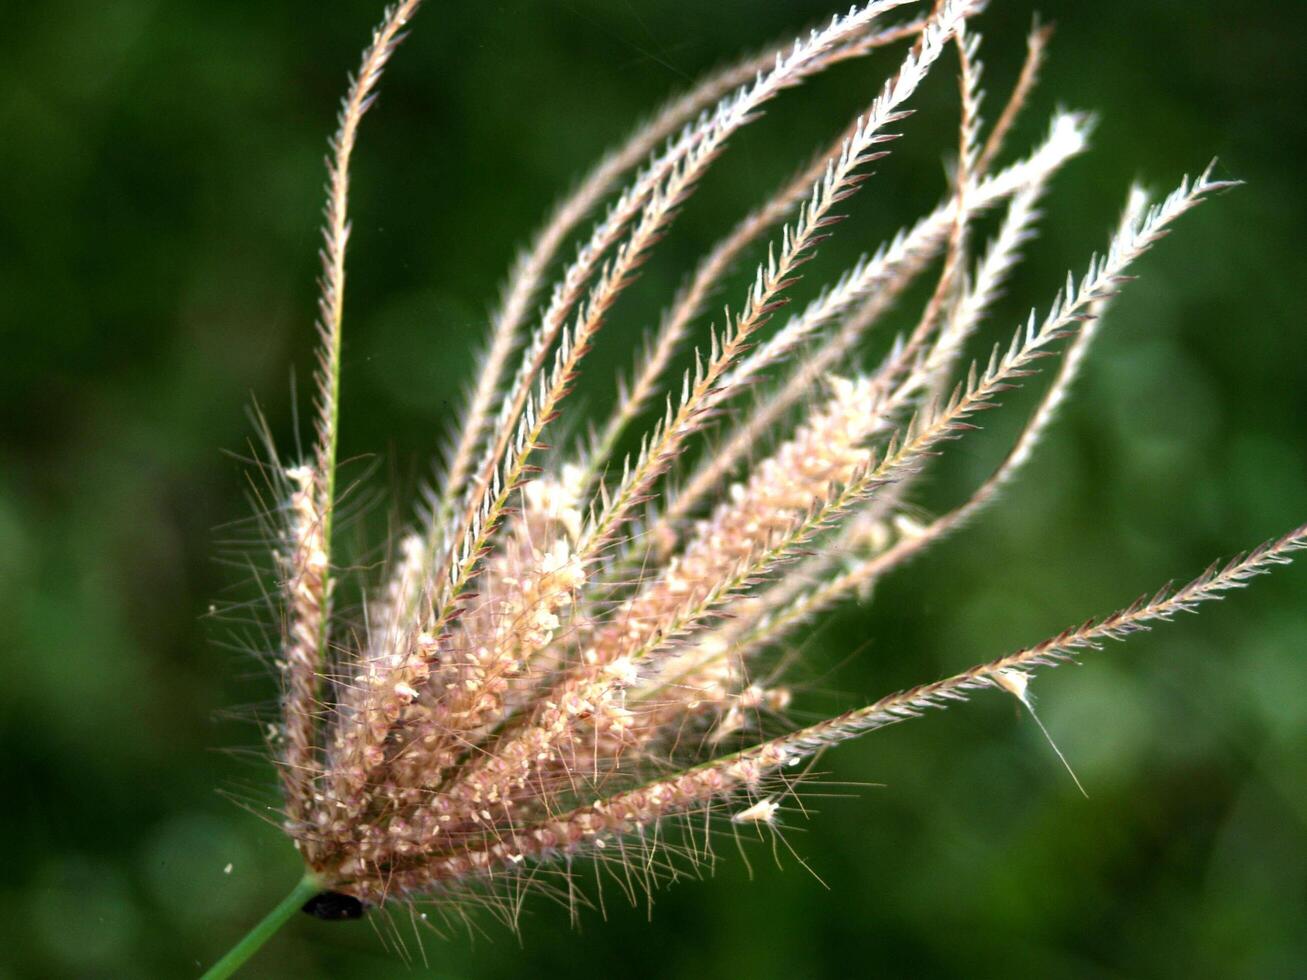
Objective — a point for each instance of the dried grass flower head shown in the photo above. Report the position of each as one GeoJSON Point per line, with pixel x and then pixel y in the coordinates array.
{"type": "Point", "coordinates": [576, 653]}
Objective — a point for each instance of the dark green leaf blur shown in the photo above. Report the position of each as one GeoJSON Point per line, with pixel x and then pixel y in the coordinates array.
{"type": "Point", "coordinates": [160, 187]}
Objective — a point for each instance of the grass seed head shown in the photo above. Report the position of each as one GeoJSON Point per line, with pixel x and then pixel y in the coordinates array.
{"type": "Point", "coordinates": [571, 653]}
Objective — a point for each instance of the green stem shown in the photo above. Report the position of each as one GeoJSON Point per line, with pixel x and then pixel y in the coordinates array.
{"type": "Point", "coordinates": [261, 933]}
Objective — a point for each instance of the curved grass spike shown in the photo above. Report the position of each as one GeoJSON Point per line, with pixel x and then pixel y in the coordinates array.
{"type": "Point", "coordinates": [309, 577]}
{"type": "Point", "coordinates": [335, 238]}
{"type": "Point", "coordinates": [563, 664]}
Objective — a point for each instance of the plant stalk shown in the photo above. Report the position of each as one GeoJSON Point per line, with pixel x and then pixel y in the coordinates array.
{"type": "Point", "coordinates": [251, 942]}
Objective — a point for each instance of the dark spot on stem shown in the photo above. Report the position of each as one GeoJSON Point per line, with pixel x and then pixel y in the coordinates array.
{"type": "Point", "coordinates": [333, 907]}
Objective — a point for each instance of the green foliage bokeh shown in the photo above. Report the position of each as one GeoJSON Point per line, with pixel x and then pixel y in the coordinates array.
{"type": "Point", "coordinates": [161, 171]}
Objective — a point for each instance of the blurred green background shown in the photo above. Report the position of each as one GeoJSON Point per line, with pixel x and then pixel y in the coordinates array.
{"type": "Point", "coordinates": [161, 169]}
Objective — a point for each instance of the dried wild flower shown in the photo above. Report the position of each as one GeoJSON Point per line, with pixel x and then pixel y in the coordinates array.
{"type": "Point", "coordinates": [563, 659]}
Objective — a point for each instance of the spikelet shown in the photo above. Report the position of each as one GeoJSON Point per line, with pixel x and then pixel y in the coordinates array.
{"type": "Point", "coordinates": [568, 653]}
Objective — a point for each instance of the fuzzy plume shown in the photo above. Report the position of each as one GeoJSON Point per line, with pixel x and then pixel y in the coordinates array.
{"type": "Point", "coordinates": [562, 659]}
